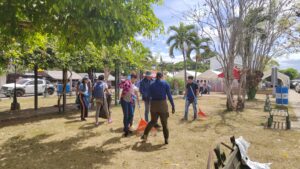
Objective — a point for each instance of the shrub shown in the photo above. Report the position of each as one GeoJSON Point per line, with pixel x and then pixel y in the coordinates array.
{"type": "Point", "coordinates": [177, 85]}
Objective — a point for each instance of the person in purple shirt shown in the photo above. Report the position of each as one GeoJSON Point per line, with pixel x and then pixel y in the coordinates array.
{"type": "Point", "coordinates": [159, 91]}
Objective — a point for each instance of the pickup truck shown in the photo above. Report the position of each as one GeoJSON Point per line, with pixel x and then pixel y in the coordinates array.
{"type": "Point", "coordinates": [26, 86]}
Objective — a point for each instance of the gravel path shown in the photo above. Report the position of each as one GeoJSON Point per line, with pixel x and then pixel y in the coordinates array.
{"type": "Point", "coordinates": [294, 99]}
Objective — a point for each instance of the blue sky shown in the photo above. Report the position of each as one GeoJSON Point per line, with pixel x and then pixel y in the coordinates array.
{"type": "Point", "coordinates": [170, 13]}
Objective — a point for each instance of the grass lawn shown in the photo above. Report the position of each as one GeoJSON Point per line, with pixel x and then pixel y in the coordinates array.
{"type": "Point", "coordinates": [63, 141]}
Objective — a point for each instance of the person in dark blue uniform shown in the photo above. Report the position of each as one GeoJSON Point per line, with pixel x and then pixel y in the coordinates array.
{"type": "Point", "coordinates": [159, 91]}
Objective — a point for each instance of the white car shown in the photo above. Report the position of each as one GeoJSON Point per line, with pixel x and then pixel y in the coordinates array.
{"type": "Point", "coordinates": [26, 86]}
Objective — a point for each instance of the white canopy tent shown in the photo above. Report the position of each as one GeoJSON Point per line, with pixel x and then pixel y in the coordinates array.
{"type": "Point", "coordinates": [209, 75]}
{"type": "Point", "coordinates": [180, 75]}
{"type": "Point", "coordinates": [57, 75]}
{"type": "Point", "coordinates": [284, 78]}
{"type": "Point", "coordinates": [110, 77]}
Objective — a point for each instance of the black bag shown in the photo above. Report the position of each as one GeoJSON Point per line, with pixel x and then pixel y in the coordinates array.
{"type": "Point", "coordinates": [103, 114]}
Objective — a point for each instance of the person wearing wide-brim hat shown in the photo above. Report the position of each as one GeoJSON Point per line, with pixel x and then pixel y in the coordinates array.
{"type": "Point", "coordinates": [144, 90]}
{"type": "Point", "coordinates": [159, 91]}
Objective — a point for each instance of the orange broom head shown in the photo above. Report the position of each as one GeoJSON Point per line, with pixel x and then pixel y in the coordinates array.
{"type": "Point", "coordinates": [201, 113]}
{"type": "Point", "coordinates": [142, 125]}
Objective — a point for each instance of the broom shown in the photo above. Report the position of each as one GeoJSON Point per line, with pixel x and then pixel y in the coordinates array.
{"type": "Point", "coordinates": [142, 124]}
{"type": "Point", "coordinates": [201, 113]}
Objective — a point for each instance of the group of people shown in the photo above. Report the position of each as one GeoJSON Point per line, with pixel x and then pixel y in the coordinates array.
{"type": "Point", "coordinates": [204, 87]}
{"type": "Point", "coordinates": [154, 93]}
{"type": "Point", "coordinates": [87, 94]}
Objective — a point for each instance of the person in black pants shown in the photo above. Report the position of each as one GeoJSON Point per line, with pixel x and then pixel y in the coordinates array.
{"type": "Point", "coordinates": [84, 98]}
{"type": "Point", "coordinates": [159, 91]}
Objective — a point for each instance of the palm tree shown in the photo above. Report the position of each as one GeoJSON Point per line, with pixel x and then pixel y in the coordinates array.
{"type": "Point", "coordinates": [198, 45]}
{"type": "Point", "coordinates": [184, 36]}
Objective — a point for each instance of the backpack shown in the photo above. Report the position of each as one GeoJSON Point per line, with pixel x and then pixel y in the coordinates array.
{"type": "Point", "coordinates": [99, 90]}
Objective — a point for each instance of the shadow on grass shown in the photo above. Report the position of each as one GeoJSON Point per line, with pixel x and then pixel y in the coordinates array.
{"type": "Point", "coordinates": [117, 130]}
{"type": "Point", "coordinates": [89, 126]}
{"type": "Point", "coordinates": [148, 147]}
{"type": "Point", "coordinates": [19, 152]}
{"type": "Point", "coordinates": [114, 140]}
{"type": "Point", "coordinates": [70, 114]}
{"type": "Point", "coordinates": [201, 127]}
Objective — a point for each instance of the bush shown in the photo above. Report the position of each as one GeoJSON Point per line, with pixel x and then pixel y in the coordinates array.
{"type": "Point", "coordinates": [177, 85]}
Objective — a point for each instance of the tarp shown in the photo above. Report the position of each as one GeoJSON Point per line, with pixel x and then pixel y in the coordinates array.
{"type": "Point", "coordinates": [235, 72]}
{"type": "Point", "coordinates": [243, 147]}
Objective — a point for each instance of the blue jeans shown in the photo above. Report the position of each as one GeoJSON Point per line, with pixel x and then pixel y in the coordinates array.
{"type": "Point", "coordinates": [187, 105]}
{"type": "Point", "coordinates": [147, 109]}
{"type": "Point", "coordinates": [127, 108]}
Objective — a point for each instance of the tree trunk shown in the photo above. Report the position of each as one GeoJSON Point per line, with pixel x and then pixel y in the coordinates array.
{"type": "Point", "coordinates": [196, 68]}
{"type": "Point", "coordinates": [241, 93]}
{"type": "Point", "coordinates": [91, 75]}
{"type": "Point", "coordinates": [184, 61]}
{"type": "Point", "coordinates": [230, 102]}
{"type": "Point", "coordinates": [35, 87]}
{"type": "Point", "coordinates": [106, 73]}
{"type": "Point", "coordinates": [251, 93]}
{"type": "Point", "coordinates": [65, 74]}
{"type": "Point", "coordinates": [228, 78]}
{"type": "Point", "coordinates": [117, 75]}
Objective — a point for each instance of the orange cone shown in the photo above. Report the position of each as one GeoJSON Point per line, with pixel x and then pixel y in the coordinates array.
{"type": "Point", "coordinates": [201, 113]}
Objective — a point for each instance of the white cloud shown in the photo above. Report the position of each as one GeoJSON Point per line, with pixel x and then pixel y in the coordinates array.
{"type": "Point", "coordinates": [291, 57]}
{"type": "Point", "coordinates": [290, 61]}
{"type": "Point", "coordinates": [166, 57]}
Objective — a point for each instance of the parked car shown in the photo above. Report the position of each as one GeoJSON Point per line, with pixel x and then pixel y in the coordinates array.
{"type": "Point", "coordinates": [297, 88]}
{"type": "Point", "coordinates": [26, 86]}
{"type": "Point", "coordinates": [294, 83]}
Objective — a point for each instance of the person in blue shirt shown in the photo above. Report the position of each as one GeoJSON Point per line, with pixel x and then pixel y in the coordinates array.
{"type": "Point", "coordinates": [159, 91]}
{"type": "Point", "coordinates": [144, 90]}
{"type": "Point", "coordinates": [191, 93]}
{"type": "Point", "coordinates": [84, 98]}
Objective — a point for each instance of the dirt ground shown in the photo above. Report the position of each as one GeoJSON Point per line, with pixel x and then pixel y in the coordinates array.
{"type": "Point", "coordinates": [63, 141]}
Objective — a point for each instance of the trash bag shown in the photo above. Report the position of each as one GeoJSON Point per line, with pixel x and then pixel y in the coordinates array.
{"type": "Point", "coordinates": [243, 147]}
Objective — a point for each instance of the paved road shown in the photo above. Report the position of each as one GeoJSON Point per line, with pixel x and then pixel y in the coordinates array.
{"type": "Point", "coordinates": [294, 99]}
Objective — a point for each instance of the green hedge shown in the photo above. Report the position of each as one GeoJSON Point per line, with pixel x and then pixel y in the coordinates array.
{"type": "Point", "coordinates": [177, 85]}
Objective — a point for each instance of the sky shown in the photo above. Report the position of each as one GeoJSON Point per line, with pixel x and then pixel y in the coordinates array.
{"type": "Point", "coordinates": [170, 13]}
